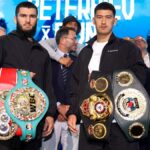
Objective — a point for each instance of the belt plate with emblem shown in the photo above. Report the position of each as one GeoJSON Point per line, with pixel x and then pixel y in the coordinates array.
{"type": "Point", "coordinates": [26, 104]}
{"type": "Point", "coordinates": [97, 107]}
{"type": "Point", "coordinates": [131, 105]}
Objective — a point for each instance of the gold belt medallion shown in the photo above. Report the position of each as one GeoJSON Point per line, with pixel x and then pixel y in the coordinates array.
{"type": "Point", "coordinates": [98, 130]}
{"type": "Point", "coordinates": [27, 103]}
{"type": "Point", "coordinates": [124, 78]}
{"type": "Point", "coordinates": [100, 84]}
{"type": "Point", "coordinates": [8, 128]}
{"type": "Point", "coordinates": [136, 130]}
{"type": "Point", "coordinates": [97, 107]}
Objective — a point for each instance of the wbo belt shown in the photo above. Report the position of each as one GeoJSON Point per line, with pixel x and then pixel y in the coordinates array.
{"type": "Point", "coordinates": [8, 79]}
{"type": "Point", "coordinates": [26, 104]}
{"type": "Point", "coordinates": [97, 107]}
{"type": "Point", "coordinates": [131, 105]}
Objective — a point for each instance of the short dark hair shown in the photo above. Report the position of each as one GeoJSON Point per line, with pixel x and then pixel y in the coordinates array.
{"type": "Point", "coordinates": [3, 24]}
{"type": "Point", "coordinates": [26, 5]}
{"type": "Point", "coordinates": [72, 19]}
{"type": "Point", "coordinates": [105, 6]}
{"type": "Point", "coordinates": [63, 32]}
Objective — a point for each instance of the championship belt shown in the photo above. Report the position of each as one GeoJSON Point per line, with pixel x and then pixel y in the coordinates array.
{"type": "Point", "coordinates": [26, 104]}
{"type": "Point", "coordinates": [97, 107]}
{"type": "Point", "coordinates": [131, 105]}
{"type": "Point", "coordinates": [8, 79]}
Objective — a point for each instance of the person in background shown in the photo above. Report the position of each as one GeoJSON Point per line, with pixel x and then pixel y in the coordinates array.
{"type": "Point", "coordinates": [51, 46]}
{"type": "Point", "coordinates": [66, 39]}
{"type": "Point", "coordinates": [129, 39]}
{"type": "Point", "coordinates": [105, 53]}
{"type": "Point", "coordinates": [148, 42]}
{"type": "Point", "coordinates": [19, 50]}
{"type": "Point", "coordinates": [142, 45]}
{"type": "Point", "coordinates": [3, 27]}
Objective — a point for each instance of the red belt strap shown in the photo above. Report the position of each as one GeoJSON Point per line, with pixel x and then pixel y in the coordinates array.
{"type": "Point", "coordinates": [8, 78]}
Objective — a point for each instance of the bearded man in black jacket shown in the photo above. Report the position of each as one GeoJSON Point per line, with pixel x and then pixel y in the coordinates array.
{"type": "Point", "coordinates": [19, 50]}
{"type": "Point", "coordinates": [105, 53]}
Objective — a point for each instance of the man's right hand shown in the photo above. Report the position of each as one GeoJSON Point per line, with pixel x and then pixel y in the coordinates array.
{"type": "Point", "coordinates": [67, 61]}
{"type": "Point", "coordinates": [72, 119]}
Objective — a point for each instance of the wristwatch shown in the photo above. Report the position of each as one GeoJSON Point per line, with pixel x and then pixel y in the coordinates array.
{"type": "Point", "coordinates": [26, 104]}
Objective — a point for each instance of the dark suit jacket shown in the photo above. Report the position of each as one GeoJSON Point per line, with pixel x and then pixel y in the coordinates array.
{"type": "Point", "coordinates": [61, 92]}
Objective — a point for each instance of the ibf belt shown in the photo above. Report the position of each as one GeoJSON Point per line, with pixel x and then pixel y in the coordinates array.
{"type": "Point", "coordinates": [131, 105]}
{"type": "Point", "coordinates": [26, 104]}
{"type": "Point", "coordinates": [8, 78]}
{"type": "Point", "coordinates": [97, 108]}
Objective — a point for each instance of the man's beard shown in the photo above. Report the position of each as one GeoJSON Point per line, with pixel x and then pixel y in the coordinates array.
{"type": "Point", "coordinates": [26, 33]}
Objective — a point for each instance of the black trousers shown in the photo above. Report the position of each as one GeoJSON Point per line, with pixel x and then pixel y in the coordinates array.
{"type": "Point", "coordinates": [117, 141]}
{"type": "Point", "coordinates": [16, 144]}
{"type": "Point", "coordinates": [145, 143]}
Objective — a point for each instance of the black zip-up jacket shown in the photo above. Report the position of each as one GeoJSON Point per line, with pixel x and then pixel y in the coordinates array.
{"type": "Point", "coordinates": [117, 54]}
{"type": "Point", "coordinates": [18, 52]}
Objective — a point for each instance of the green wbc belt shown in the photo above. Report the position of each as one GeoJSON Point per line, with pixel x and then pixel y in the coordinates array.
{"type": "Point", "coordinates": [26, 104]}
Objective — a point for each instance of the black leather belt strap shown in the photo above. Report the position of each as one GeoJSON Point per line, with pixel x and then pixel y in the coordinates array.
{"type": "Point", "coordinates": [96, 106]}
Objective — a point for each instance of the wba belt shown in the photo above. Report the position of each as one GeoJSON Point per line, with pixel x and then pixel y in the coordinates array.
{"type": "Point", "coordinates": [26, 104]}
{"type": "Point", "coordinates": [8, 79]}
{"type": "Point", "coordinates": [131, 105]}
{"type": "Point", "coordinates": [97, 107]}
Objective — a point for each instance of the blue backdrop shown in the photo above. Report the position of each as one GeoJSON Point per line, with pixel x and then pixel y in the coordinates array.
{"type": "Point", "coordinates": [133, 16]}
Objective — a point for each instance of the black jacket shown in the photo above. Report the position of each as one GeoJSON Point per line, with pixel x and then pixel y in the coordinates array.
{"type": "Point", "coordinates": [18, 52]}
{"type": "Point", "coordinates": [117, 54]}
{"type": "Point", "coordinates": [61, 91]}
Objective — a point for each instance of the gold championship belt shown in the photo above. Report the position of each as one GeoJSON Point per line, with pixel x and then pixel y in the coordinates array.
{"type": "Point", "coordinates": [97, 107]}
{"type": "Point", "coordinates": [131, 105]}
{"type": "Point", "coordinates": [8, 128]}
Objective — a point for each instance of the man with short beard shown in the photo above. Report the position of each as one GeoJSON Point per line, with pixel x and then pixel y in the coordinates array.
{"type": "Point", "coordinates": [19, 50]}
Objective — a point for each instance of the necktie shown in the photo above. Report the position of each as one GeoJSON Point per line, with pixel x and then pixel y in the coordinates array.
{"type": "Point", "coordinates": [64, 72]}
